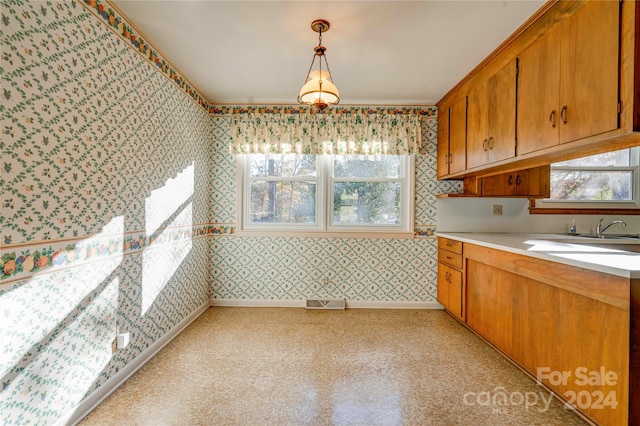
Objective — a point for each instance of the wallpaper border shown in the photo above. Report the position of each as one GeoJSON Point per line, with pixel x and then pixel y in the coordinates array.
{"type": "Point", "coordinates": [109, 14]}
{"type": "Point", "coordinates": [26, 260]}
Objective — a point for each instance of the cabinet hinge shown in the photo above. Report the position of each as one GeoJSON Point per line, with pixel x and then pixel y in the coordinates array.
{"type": "Point", "coordinates": [619, 107]}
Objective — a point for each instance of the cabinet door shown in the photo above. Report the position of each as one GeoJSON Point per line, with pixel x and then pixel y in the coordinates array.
{"type": "Point", "coordinates": [443, 142]}
{"type": "Point", "coordinates": [498, 185]}
{"type": "Point", "coordinates": [502, 113]}
{"type": "Point", "coordinates": [490, 303]}
{"type": "Point", "coordinates": [458, 136]}
{"type": "Point", "coordinates": [533, 182]}
{"type": "Point", "coordinates": [589, 79]}
{"type": "Point", "coordinates": [450, 289]}
{"type": "Point", "coordinates": [538, 94]}
{"type": "Point", "coordinates": [478, 126]}
{"type": "Point", "coordinates": [443, 285]}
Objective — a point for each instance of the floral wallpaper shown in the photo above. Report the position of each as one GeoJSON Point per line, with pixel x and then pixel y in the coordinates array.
{"type": "Point", "coordinates": [96, 141]}
{"type": "Point", "coordinates": [291, 268]}
{"type": "Point", "coordinates": [118, 199]}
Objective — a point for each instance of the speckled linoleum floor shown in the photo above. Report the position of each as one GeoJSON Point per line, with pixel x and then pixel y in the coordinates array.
{"type": "Point", "coordinates": [276, 366]}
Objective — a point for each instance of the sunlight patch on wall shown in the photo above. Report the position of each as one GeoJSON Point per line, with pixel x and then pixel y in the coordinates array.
{"type": "Point", "coordinates": [39, 306]}
{"type": "Point", "coordinates": [72, 359]}
{"type": "Point", "coordinates": [166, 201]}
{"type": "Point", "coordinates": [161, 261]}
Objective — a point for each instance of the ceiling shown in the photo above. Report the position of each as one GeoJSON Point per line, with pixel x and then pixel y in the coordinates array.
{"type": "Point", "coordinates": [379, 52]}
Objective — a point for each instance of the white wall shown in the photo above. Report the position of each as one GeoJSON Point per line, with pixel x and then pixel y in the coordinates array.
{"type": "Point", "coordinates": [474, 215]}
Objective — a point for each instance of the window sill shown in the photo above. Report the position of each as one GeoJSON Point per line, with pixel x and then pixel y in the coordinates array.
{"type": "Point", "coordinates": [326, 234]}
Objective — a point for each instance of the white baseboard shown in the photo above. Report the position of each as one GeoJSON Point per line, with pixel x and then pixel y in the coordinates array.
{"type": "Point", "coordinates": [75, 415]}
{"type": "Point", "coordinates": [258, 303]}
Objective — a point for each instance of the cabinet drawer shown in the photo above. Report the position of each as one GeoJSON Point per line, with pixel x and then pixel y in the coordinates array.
{"type": "Point", "coordinates": [450, 258]}
{"type": "Point", "coordinates": [450, 245]}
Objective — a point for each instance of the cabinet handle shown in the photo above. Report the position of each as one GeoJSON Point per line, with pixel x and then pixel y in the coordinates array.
{"type": "Point", "coordinates": [552, 118]}
{"type": "Point", "coordinates": [563, 114]}
{"type": "Point", "coordinates": [510, 180]}
{"type": "Point", "coordinates": [484, 145]}
{"type": "Point", "coordinates": [518, 180]}
{"type": "Point", "coordinates": [491, 142]}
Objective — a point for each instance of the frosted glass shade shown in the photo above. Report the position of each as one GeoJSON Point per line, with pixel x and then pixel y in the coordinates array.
{"type": "Point", "coordinates": [311, 93]}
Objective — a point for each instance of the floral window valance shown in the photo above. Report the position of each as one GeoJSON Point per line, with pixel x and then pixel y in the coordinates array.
{"type": "Point", "coordinates": [334, 133]}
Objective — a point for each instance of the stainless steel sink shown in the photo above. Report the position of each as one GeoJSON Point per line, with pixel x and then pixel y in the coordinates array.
{"type": "Point", "coordinates": [635, 248]}
{"type": "Point", "coordinates": [624, 242]}
{"type": "Point", "coordinates": [608, 236]}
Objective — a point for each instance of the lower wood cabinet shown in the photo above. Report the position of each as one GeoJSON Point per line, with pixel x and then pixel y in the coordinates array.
{"type": "Point", "coordinates": [572, 329]}
{"type": "Point", "coordinates": [450, 281]}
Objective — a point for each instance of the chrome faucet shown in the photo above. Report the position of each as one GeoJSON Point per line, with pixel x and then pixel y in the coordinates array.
{"type": "Point", "coordinates": [600, 229]}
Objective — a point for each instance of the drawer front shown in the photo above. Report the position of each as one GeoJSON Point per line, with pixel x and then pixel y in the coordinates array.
{"type": "Point", "coordinates": [450, 258]}
{"type": "Point", "coordinates": [450, 245]}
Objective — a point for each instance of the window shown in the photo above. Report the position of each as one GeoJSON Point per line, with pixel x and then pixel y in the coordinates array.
{"type": "Point", "coordinates": [599, 180]}
{"type": "Point", "coordinates": [333, 193]}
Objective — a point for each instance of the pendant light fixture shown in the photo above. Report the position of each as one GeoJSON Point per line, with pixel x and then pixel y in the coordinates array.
{"type": "Point", "coordinates": [318, 89]}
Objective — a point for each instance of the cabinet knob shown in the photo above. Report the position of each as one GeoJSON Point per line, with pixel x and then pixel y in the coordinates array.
{"type": "Point", "coordinates": [552, 118]}
{"type": "Point", "coordinates": [563, 114]}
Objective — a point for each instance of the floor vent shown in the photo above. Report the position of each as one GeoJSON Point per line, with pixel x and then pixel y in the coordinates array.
{"type": "Point", "coordinates": [325, 304]}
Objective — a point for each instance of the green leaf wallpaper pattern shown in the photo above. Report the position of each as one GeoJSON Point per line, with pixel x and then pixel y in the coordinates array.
{"type": "Point", "coordinates": [92, 128]}
{"type": "Point", "coordinates": [92, 134]}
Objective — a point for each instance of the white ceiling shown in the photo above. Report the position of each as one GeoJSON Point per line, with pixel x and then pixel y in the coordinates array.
{"type": "Point", "coordinates": [379, 52]}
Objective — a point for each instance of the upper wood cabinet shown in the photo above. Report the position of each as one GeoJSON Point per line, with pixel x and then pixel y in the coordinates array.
{"type": "Point", "coordinates": [530, 183]}
{"type": "Point", "coordinates": [491, 118]}
{"type": "Point", "coordinates": [568, 80]}
{"type": "Point", "coordinates": [452, 138]}
{"type": "Point", "coordinates": [565, 85]}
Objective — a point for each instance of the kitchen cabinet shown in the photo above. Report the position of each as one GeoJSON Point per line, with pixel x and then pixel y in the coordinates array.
{"type": "Point", "coordinates": [452, 138]}
{"type": "Point", "coordinates": [568, 80]}
{"type": "Point", "coordinates": [531, 183]}
{"type": "Point", "coordinates": [554, 319]}
{"type": "Point", "coordinates": [571, 75]}
{"type": "Point", "coordinates": [491, 118]}
{"type": "Point", "coordinates": [450, 276]}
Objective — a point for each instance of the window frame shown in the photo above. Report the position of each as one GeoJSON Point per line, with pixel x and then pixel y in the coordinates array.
{"type": "Point", "coordinates": [634, 168]}
{"type": "Point", "coordinates": [324, 226]}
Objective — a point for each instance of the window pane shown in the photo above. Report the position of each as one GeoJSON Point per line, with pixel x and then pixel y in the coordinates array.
{"type": "Point", "coordinates": [283, 165]}
{"type": "Point", "coordinates": [283, 202]}
{"type": "Point", "coordinates": [366, 203]}
{"type": "Point", "coordinates": [367, 166]}
{"type": "Point", "coordinates": [608, 159]}
{"type": "Point", "coordinates": [591, 186]}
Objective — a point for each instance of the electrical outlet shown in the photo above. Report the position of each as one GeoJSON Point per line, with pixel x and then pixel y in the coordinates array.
{"type": "Point", "coordinates": [496, 209]}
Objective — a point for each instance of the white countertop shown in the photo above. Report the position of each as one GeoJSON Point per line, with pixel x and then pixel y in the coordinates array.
{"type": "Point", "coordinates": [587, 253]}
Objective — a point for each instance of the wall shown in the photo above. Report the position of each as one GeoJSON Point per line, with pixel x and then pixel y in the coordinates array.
{"type": "Point", "coordinates": [287, 270]}
{"type": "Point", "coordinates": [105, 204]}
{"type": "Point", "coordinates": [474, 215]}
